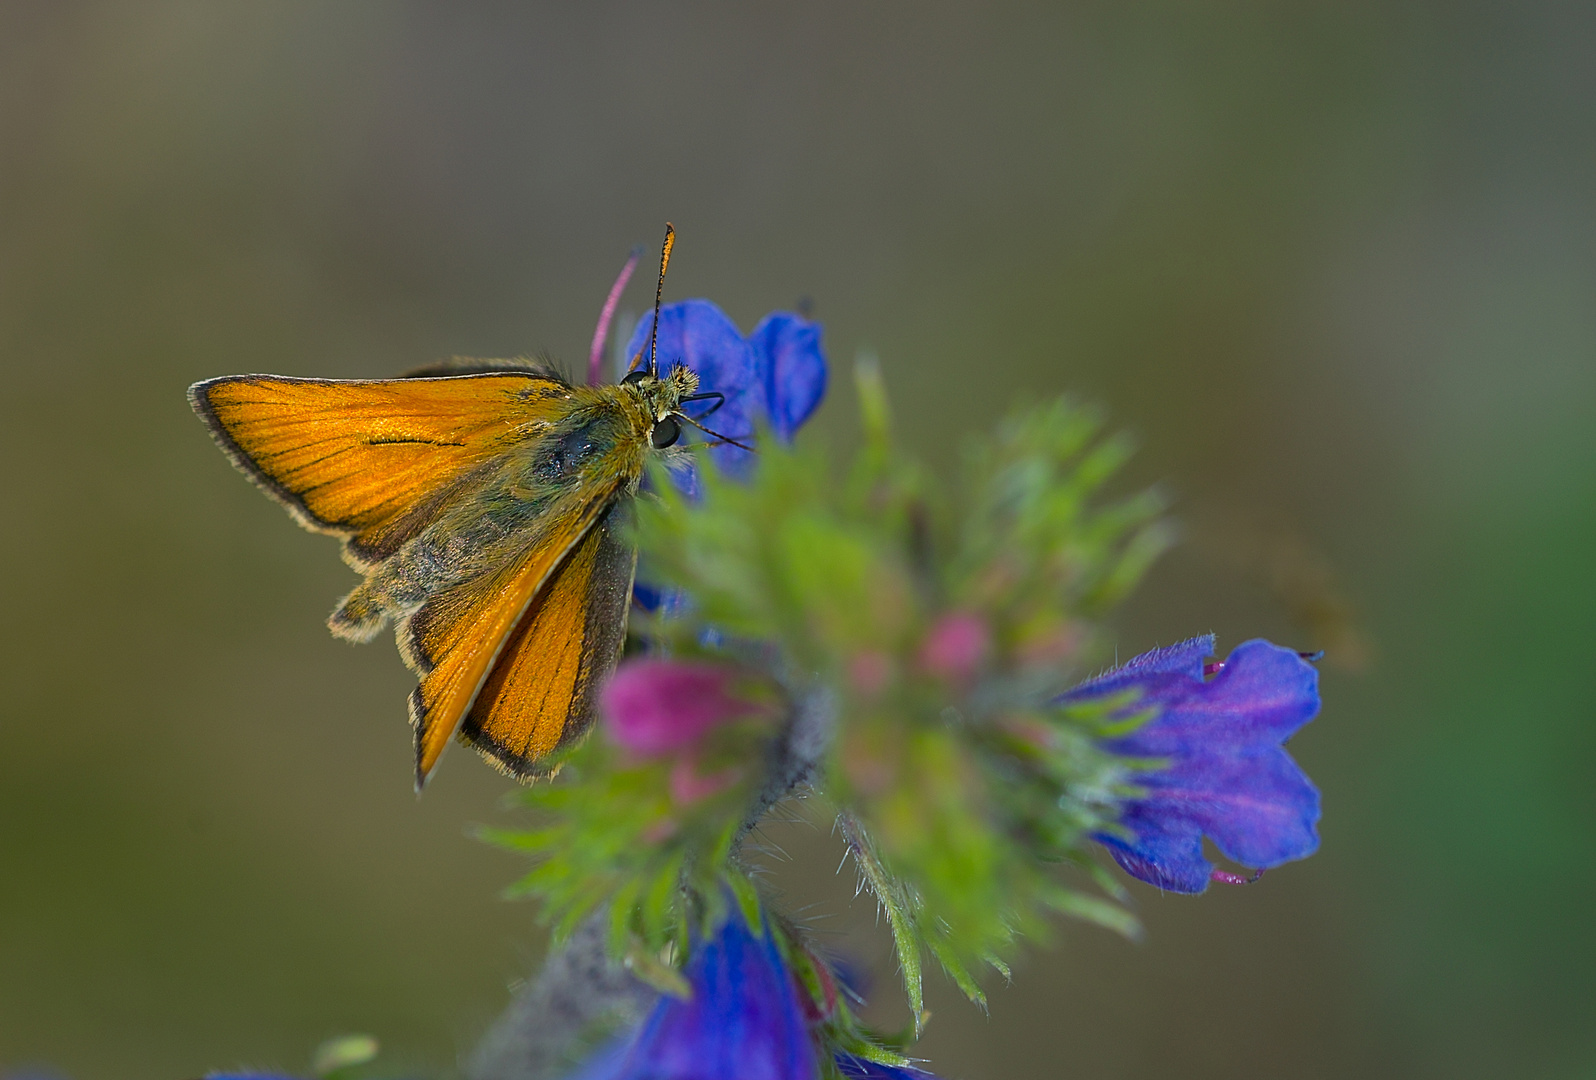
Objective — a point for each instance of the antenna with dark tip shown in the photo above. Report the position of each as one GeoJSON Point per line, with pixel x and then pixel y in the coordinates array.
{"type": "Point", "coordinates": [659, 292]}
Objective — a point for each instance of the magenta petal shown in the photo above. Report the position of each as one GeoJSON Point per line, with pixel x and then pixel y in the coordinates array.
{"type": "Point", "coordinates": [1224, 774]}
{"type": "Point", "coordinates": [955, 645]}
{"type": "Point", "coordinates": [655, 706]}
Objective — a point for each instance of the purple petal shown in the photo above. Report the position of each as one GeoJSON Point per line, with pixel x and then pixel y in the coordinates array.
{"type": "Point", "coordinates": [1224, 773]}
{"type": "Point", "coordinates": [1185, 658]}
{"type": "Point", "coordinates": [1260, 811]}
{"type": "Point", "coordinates": [743, 1022]}
{"type": "Point", "coordinates": [1262, 695]}
{"type": "Point", "coordinates": [1167, 854]}
{"type": "Point", "coordinates": [790, 361]}
{"type": "Point", "coordinates": [1257, 806]}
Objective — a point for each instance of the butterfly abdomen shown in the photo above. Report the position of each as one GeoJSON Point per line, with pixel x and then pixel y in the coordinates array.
{"type": "Point", "coordinates": [360, 616]}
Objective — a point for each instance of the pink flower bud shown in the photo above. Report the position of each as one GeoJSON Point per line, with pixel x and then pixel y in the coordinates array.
{"type": "Point", "coordinates": [956, 645]}
{"type": "Point", "coordinates": [1050, 646]}
{"type": "Point", "coordinates": [870, 672]}
{"type": "Point", "coordinates": [688, 785]}
{"type": "Point", "coordinates": [653, 707]}
{"type": "Point", "coordinates": [660, 831]}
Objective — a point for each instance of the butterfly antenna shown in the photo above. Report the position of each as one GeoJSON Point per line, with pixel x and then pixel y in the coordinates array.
{"type": "Point", "coordinates": [710, 431]}
{"type": "Point", "coordinates": [659, 292]}
{"type": "Point", "coordinates": [601, 332]}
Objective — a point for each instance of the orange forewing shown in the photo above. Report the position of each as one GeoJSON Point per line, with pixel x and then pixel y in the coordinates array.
{"type": "Point", "coordinates": [371, 461]}
{"type": "Point", "coordinates": [456, 636]}
{"type": "Point", "coordinates": [541, 692]}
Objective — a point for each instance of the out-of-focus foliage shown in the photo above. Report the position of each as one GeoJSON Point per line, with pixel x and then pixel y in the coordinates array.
{"type": "Point", "coordinates": [940, 624]}
{"type": "Point", "coordinates": [648, 838]}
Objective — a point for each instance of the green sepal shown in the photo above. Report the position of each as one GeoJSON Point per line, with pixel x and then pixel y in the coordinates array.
{"type": "Point", "coordinates": [747, 901]}
{"type": "Point", "coordinates": [650, 969]}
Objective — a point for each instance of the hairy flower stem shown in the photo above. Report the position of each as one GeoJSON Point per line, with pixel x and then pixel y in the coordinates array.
{"type": "Point", "coordinates": [578, 996]}
{"type": "Point", "coordinates": [890, 895]}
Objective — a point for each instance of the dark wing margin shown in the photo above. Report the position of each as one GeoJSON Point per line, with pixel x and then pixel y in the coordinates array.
{"type": "Point", "coordinates": [542, 695]}
{"type": "Point", "coordinates": [459, 635]}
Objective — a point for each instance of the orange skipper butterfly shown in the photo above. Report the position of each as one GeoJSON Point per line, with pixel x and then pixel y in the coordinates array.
{"type": "Point", "coordinates": [482, 501]}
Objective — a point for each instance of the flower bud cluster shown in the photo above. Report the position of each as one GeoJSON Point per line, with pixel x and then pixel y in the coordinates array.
{"type": "Point", "coordinates": [911, 654]}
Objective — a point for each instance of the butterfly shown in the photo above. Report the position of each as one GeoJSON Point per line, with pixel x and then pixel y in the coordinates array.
{"type": "Point", "coordinates": [484, 504]}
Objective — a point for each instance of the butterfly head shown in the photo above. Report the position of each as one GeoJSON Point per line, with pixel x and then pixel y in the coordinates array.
{"type": "Point", "coordinates": [663, 397]}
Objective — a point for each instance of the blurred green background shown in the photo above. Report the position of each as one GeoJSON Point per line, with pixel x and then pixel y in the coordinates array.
{"type": "Point", "coordinates": [1335, 263]}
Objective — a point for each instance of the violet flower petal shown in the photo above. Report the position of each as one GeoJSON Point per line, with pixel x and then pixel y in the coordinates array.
{"type": "Point", "coordinates": [698, 335]}
{"type": "Point", "coordinates": [743, 1022]}
{"type": "Point", "coordinates": [790, 362]}
{"type": "Point", "coordinates": [1225, 773]}
{"type": "Point", "coordinates": [1185, 658]}
{"type": "Point", "coordinates": [777, 375]}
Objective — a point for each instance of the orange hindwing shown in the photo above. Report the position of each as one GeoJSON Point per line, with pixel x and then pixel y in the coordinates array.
{"type": "Point", "coordinates": [541, 694]}
{"type": "Point", "coordinates": [458, 634]}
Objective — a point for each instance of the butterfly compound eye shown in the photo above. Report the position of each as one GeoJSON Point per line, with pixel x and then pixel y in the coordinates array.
{"type": "Point", "coordinates": [634, 377]}
{"type": "Point", "coordinates": [666, 432]}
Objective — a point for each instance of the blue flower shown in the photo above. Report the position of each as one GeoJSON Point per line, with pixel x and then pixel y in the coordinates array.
{"type": "Point", "coordinates": [776, 375]}
{"type": "Point", "coordinates": [744, 1021]}
{"type": "Point", "coordinates": [1224, 772]}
